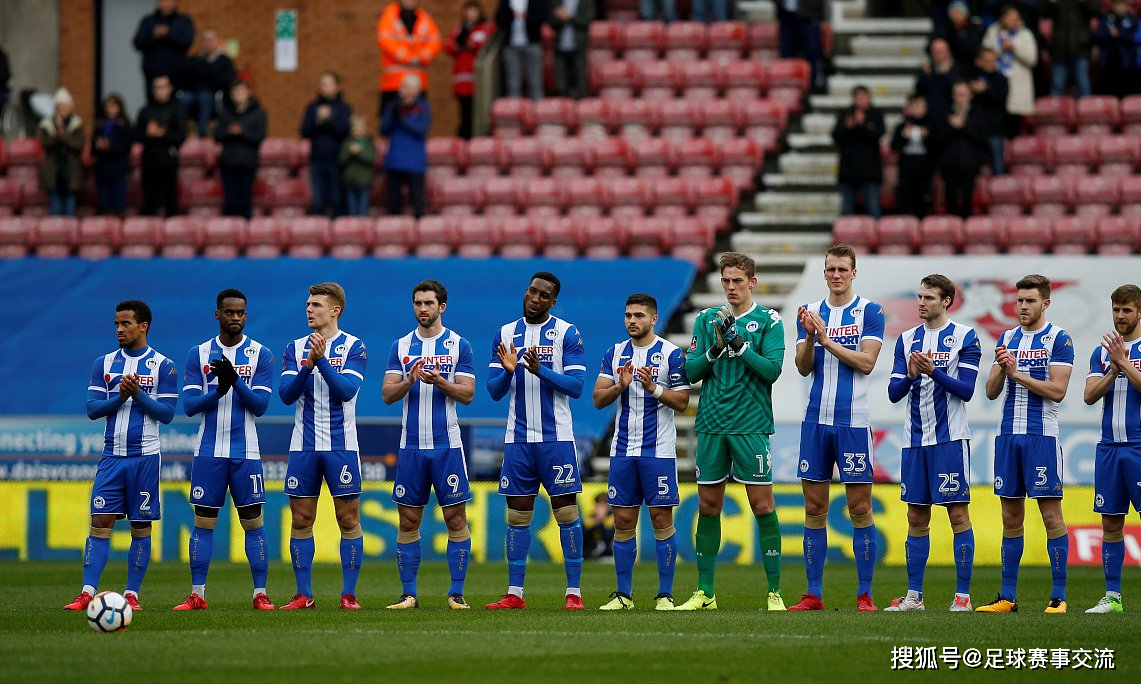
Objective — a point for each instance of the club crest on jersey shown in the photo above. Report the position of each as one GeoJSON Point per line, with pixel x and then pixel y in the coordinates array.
{"type": "Point", "coordinates": [251, 352]}
{"type": "Point", "coordinates": [752, 326]}
{"type": "Point", "coordinates": [656, 359]}
{"type": "Point", "coordinates": [948, 341]}
{"type": "Point", "coordinates": [340, 350]}
{"type": "Point", "coordinates": [152, 363]}
{"type": "Point", "coordinates": [291, 483]}
{"type": "Point", "coordinates": [1099, 500]}
{"type": "Point", "coordinates": [399, 490]}
{"type": "Point", "coordinates": [98, 503]}
{"type": "Point", "coordinates": [551, 334]}
{"type": "Point", "coordinates": [449, 343]}
{"type": "Point", "coordinates": [857, 312]}
{"type": "Point", "coordinates": [198, 493]}
{"type": "Point", "coordinates": [1046, 339]}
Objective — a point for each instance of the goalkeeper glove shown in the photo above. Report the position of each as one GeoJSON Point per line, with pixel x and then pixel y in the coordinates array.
{"type": "Point", "coordinates": [727, 331]}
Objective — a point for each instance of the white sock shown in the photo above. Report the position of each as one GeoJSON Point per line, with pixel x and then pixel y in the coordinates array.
{"type": "Point", "coordinates": [199, 589]}
{"type": "Point", "coordinates": [575, 591]}
{"type": "Point", "coordinates": [258, 590]}
{"type": "Point", "coordinates": [958, 595]}
{"type": "Point", "coordinates": [89, 589]}
{"type": "Point", "coordinates": [128, 592]}
{"type": "Point", "coordinates": [1114, 594]}
{"type": "Point", "coordinates": [913, 594]}
{"type": "Point", "coordinates": [515, 591]}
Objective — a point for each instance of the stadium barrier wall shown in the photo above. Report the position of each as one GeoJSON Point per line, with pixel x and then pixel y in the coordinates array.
{"type": "Point", "coordinates": [49, 521]}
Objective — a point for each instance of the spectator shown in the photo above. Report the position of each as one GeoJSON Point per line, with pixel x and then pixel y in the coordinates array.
{"type": "Point", "coordinates": [571, 21]}
{"type": "Point", "coordinates": [962, 34]}
{"type": "Point", "coordinates": [111, 147]}
{"type": "Point", "coordinates": [1017, 52]}
{"type": "Point", "coordinates": [241, 129]}
{"type": "Point", "coordinates": [61, 136]}
{"type": "Point", "coordinates": [464, 43]}
{"type": "Point", "coordinates": [1116, 39]}
{"type": "Point", "coordinates": [935, 79]}
{"type": "Point", "coordinates": [800, 34]}
{"type": "Point", "coordinates": [990, 90]}
{"type": "Point", "coordinates": [598, 532]}
{"type": "Point", "coordinates": [710, 10]}
{"type": "Point", "coordinates": [326, 125]}
{"type": "Point", "coordinates": [913, 141]}
{"type": "Point", "coordinates": [963, 151]}
{"type": "Point", "coordinates": [163, 37]}
{"type": "Point", "coordinates": [204, 77]}
{"type": "Point", "coordinates": [5, 77]}
{"type": "Point", "coordinates": [857, 134]}
{"type": "Point", "coordinates": [358, 161]}
{"type": "Point", "coordinates": [406, 124]}
{"type": "Point", "coordinates": [161, 128]}
{"type": "Point", "coordinates": [522, 22]}
{"type": "Point", "coordinates": [1070, 44]}
{"type": "Point", "coordinates": [409, 40]}
{"type": "Point", "coordinates": [649, 10]}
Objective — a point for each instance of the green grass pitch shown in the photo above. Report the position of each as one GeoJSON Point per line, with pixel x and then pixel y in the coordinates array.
{"type": "Point", "coordinates": [231, 643]}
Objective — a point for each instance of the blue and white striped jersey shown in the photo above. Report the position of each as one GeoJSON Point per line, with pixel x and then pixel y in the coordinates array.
{"type": "Point", "coordinates": [429, 414]}
{"type": "Point", "coordinates": [644, 426]}
{"type": "Point", "coordinates": [321, 423]}
{"type": "Point", "coordinates": [935, 416]}
{"type": "Point", "coordinates": [536, 412]}
{"type": "Point", "coordinates": [130, 431]}
{"type": "Point", "coordinates": [228, 429]}
{"type": "Point", "coordinates": [1023, 412]}
{"type": "Point", "coordinates": [1121, 406]}
{"type": "Point", "coordinates": [839, 394]}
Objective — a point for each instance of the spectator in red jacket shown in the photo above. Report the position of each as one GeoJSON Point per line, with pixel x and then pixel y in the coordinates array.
{"type": "Point", "coordinates": [464, 43]}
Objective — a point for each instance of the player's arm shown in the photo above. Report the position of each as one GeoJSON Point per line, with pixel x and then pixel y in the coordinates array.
{"type": "Point", "coordinates": [1100, 379]}
{"type": "Point", "coordinates": [501, 369]}
{"type": "Point", "coordinates": [767, 364]}
{"type": "Point", "coordinates": [100, 403]}
{"type": "Point", "coordinates": [195, 399]}
{"type": "Point", "coordinates": [676, 395]}
{"type": "Point", "coordinates": [293, 379]}
{"type": "Point", "coordinates": [161, 406]}
{"type": "Point", "coordinates": [863, 360]}
{"type": "Point", "coordinates": [963, 385]}
{"type": "Point", "coordinates": [462, 390]}
{"type": "Point", "coordinates": [395, 386]}
{"type": "Point", "coordinates": [570, 383]}
{"type": "Point", "coordinates": [700, 357]}
{"type": "Point", "coordinates": [996, 379]}
{"type": "Point", "coordinates": [606, 388]}
{"type": "Point", "coordinates": [805, 356]}
{"type": "Point", "coordinates": [1119, 357]}
{"type": "Point", "coordinates": [344, 384]}
{"type": "Point", "coordinates": [255, 397]}
{"type": "Point", "coordinates": [902, 377]}
{"type": "Point", "coordinates": [1058, 376]}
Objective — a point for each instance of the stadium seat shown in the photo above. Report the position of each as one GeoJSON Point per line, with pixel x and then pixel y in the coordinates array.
{"type": "Point", "coordinates": [593, 117]}
{"type": "Point", "coordinates": [198, 152]}
{"type": "Point", "coordinates": [1131, 115]}
{"type": "Point", "coordinates": [140, 237]}
{"type": "Point", "coordinates": [984, 235]}
{"type": "Point", "coordinates": [395, 236]}
{"type": "Point", "coordinates": [897, 235]}
{"type": "Point", "coordinates": [637, 119]}
{"type": "Point", "coordinates": [17, 234]}
{"type": "Point", "coordinates": [1130, 189]}
{"type": "Point", "coordinates": [11, 194]}
{"type": "Point", "coordinates": [614, 80]}
{"type": "Point", "coordinates": [605, 41]}
{"type": "Point", "coordinates": [764, 41]}
{"type": "Point", "coordinates": [657, 79]}
{"type": "Point", "coordinates": [1095, 195]}
{"type": "Point", "coordinates": [586, 197]}
{"type": "Point", "coordinates": [287, 197]}
{"type": "Point", "coordinates": [1010, 191]}
{"type": "Point", "coordinates": [648, 237]}
{"type": "Point", "coordinates": [612, 157]}
{"type": "Point", "coordinates": [627, 197]}
{"type": "Point", "coordinates": [740, 160]}
{"type": "Point", "coordinates": [670, 196]}
{"type": "Point", "coordinates": [1051, 195]}
{"type": "Point", "coordinates": [544, 193]}
{"type": "Point", "coordinates": [857, 231]}
{"type": "Point", "coordinates": [1098, 114]}
{"type": "Point", "coordinates": [789, 73]}
{"type": "Point", "coordinates": [678, 119]}
{"type": "Point", "coordinates": [518, 238]}
{"type": "Point", "coordinates": [4, 155]}
{"type": "Point", "coordinates": [696, 157]}
{"type": "Point", "coordinates": [554, 117]}
{"type": "Point", "coordinates": [1074, 234]}
{"type": "Point", "coordinates": [715, 198]}
{"type": "Point", "coordinates": [642, 40]}
{"type": "Point", "coordinates": [56, 236]}
{"type": "Point", "coordinates": [277, 158]}
{"type": "Point", "coordinates": [1120, 151]}
{"type": "Point", "coordinates": [940, 235]}
{"type": "Point", "coordinates": [434, 237]}
{"type": "Point", "coordinates": [653, 157]}
{"type": "Point", "coordinates": [764, 114]}
{"type": "Point", "coordinates": [1029, 234]}
{"type": "Point", "coordinates": [561, 239]}
{"type": "Point", "coordinates": [485, 157]}
{"type": "Point", "coordinates": [1118, 235]}
{"type": "Point", "coordinates": [24, 152]}
{"type": "Point", "coordinates": [570, 157]}
{"type": "Point", "coordinates": [265, 238]}
{"type": "Point", "coordinates": [603, 238]}
{"type": "Point", "coordinates": [720, 119]}
{"type": "Point", "coordinates": [527, 156]}
{"type": "Point", "coordinates": [181, 237]}
{"type": "Point", "coordinates": [477, 237]}
{"type": "Point", "coordinates": [512, 117]}
{"type": "Point", "coordinates": [447, 152]}
{"type": "Point", "coordinates": [744, 80]}
{"type": "Point", "coordinates": [223, 237]}
{"type": "Point", "coordinates": [1054, 114]}
{"type": "Point", "coordinates": [692, 239]}
{"type": "Point", "coordinates": [699, 79]}
{"type": "Point", "coordinates": [99, 236]}
{"type": "Point", "coordinates": [728, 41]}
{"type": "Point", "coordinates": [463, 195]}
{"type": "Point", "coordinates": [352, 237]}
{"type": "Point", "coordinates": [503, 196]}
{"type": "Point", "coordinates": [1076, 150]}
{"type": "Point", "coordinates": [202, 196]}
{"type": "Point", "coordinates": [685, 40]}
{"type": "Point", "coordinates": [1029, 150]}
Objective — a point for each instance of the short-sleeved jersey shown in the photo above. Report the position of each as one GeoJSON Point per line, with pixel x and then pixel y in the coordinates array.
{"type": "Point", "coordinates": [321, 423]}
{"type": "Point", "coordinates": [1023, 412]}
{"type": "Point", "coordinates": [1121, 406]}
{"type": "Point", "coordinates": [130, 431]}
{"type": "Point", "coordinates": [839, 394]}
{"type": "Point", "coordinates": [536, 411]}
{"type": "Point", "coordinates": [228, 429]}
{"type": "Point", "coordinates": [644, 426]}
{"type": "Point", "coordinates": [734, 401]}
{"type": "Point", "coordinates": [934, 415]}
{"type": "Point", "coordinates": [429, 419]}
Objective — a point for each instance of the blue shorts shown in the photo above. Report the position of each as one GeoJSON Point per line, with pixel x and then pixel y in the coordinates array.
{"type": "Point", "coordinates": [340, 469]}
{"type": "Point", "coordinates": [525, 465]}
{"type": "Point", "coordinates": [418, 471]}
{"type": "Point", "coordinates": [209, 478]}
{"type": "Point", "coordinates": [1117, 478]}
{"type": "Point", "coordinates": [936, 474]}
{"type": "Point", "coordinates": [127, 487]}
{"type": "Point", "coordinates": [634, 481]}
{"type": "Point", "coordinates": [1027, 465]}
{"type": "Point", "coordinates": [824, 446]}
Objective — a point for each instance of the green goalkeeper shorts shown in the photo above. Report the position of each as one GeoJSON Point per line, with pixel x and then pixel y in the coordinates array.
{"type": "Point", "coordinates": [749, 456]}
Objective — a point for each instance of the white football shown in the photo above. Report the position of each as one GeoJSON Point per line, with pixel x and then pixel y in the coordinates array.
{"type": "Point", "coordinates": [108, 612]}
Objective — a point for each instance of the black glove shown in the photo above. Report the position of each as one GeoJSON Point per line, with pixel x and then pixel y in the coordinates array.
{"type": "Point", "coordinates": [225, 372]}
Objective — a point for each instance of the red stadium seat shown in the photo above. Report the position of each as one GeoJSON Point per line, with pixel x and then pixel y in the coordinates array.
{"type": "Point", "coordinates": [202, 197]}
{"type": "Point", "coordinates": [485, 157]}
{"type": "Point", "coordinates": [140, 237]}
{"type": "Point", "coordinates": [1011, 191]}
{"type": "Point", "coordinates": [670, 195]}
{"type": "Point", "coordinates": [628, 197]}
{"type": "Point", "coordinates": [1074, 234]}
{"type": "Point", "coordinates": [700, 79]}
{"type": "Point", "coordinates": [198, 152]}
{"type": "Point", "coordinates": [561, 238]}
{"type": "Point", "coordinates": [512, 117]}
{"type": "Point", "coordinates": [277, 158]}
{"type": "Point", "coordinates": [462, 195]}
{"type": "Point", "coordinates": [642, 40]}
{"type": "Point", "coordinates": [182, 237]}
{"type": "Point", "coordinates": [648, 237]}
{"type": "Point", "coordinates": [696, 157]}
{"type": "Point", "coordinates": [1124, 150]}
{"type": "Point", "coordinates": [16, 236]}
{"type": "Point", "coordinates": [586, 197]}
{"type": "Point", "coordinates": [287, 197]}
{"type": "Point", "coordinates": [685, 40]}
{"type": "Point", "coordinates": [984, 235]}
{"type": "Point", "coordinates": [604, 238]}
{"type": "Point", "coordinates": [679, 119]}
{"type": "Point", "coordinates": [653, 157]}
{"type": "Point", "coordinates": [434, 237]}
{"type": "Point", "coordinates": [728, 40]}
{"type": "Point", "coordinates": [692, 232]}
{"type": "Point", "coordinates": [789, 73]}
{"type": "Point", "coordinates": [612, 157]}
{"type": "Point", "coordinates": [223, 237]}
{"type": "Point", "coordinates": [1055, 111]}
{"type": "Point", "coordinates": [720, 119]}
{"type": "Point", "coordinates": [395, 235]}
{"type": "Point", "coordinates": [1098, 114]}
{"type": "Point", "coordinates": [25, 152]}
{"type": "Point", "coordinates": [764, 113]}
{"type": "Point", "coordinates": [447, 152]}
{"type": "Point", "coordinates": [740, 160]}
{"type": "Point", "coordinates": [56, 237]}
{"type": "Point", "coordinates": [1075, 149]}
{"type": "Point", "coordinates": [503, 196]}
{"type": "Point", "coordinates": [519, 240]}
{"type": "Point", "coordinates": [715, 198]}
{"type": "Point", "coordinates": [605, 35]}
{"type": "Point", "coordinates": [4, 155]}
{"type": "Point", "coordinates": [11, 196]}
{"type": "Point", "coordinates": [657, 79]}
{"type": "Point", "coordinates": [1029, 150]}
{"type": "Point", "coordinates": [554, 116]}
{"type": "Point", "coordinates": [527, 156]}
{"type": "Point", "coordinates": [897, 235]}
{"type": "Point", "coordinates": [1131, 114]}
{"type": "Point", "coordinates": [266, 238]}
{"type": "Point", "coordinates": [764, 41]}
{"type": "Point", "coordinates": [99, 236]}
{"type": "Point", "coordinates": [637, 118]}
{"type": "Point", "coordinates": [940, 235]}
{"type": "Point", "coordinates": [1051, 191]}
{"type": "Point", "coordinates": [544, 192]}
{"type": "Point", "coordinates": [1096, 195]}
{"type": "Point", "coordinates": [478, 237]}
{"type": "Point", "coordinates": [570, 157]}
{"type": "Point", "coordinates": [352, 237]}
{"type": "Point", "coordinates": [614, 80]}
{"type": "Point", "coordinates": [857, 231]}
{"type": "Point", "coordinates": [744, 80]}
{"type": "Point", "coordinates": [593, 117]}
{"type": "Point", "coordinates": [1029, 234]}
{"type": "Point", "coordinates": [1118, 235]}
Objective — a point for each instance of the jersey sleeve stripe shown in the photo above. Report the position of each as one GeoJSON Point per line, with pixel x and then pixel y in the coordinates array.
{"type": "Point", "coordinates": [464, 375]}
{"type": "Point", "coordinates": [353, 373]}
{"type": "Point", "coordinates": [871, 337]}
{"type": "Point", "coordinates": [289, 372]}
{"type": "Point", "coordinates": [495, 365]}
{"type": "Point", "coordinates": [97, 388]}
{"type": "Point", "coordinates": [263, 387]}
{"type": "Point", "coordinates": [967, 365]}
{"type": "Point", "coordinates": [575, 367]}
{"type": "Point", "coordinates": [1061, 363]}
{"type": "Point", "coordinates": [390, 371]}
{"type": "Point", "coordinates": [197, 387]}
{"type": "Point", "coordinates": [1095, 374]}
{"type": "Point", "coordinates": [898, 375]}
{"type": "Point", "coordinates": [166, 396]}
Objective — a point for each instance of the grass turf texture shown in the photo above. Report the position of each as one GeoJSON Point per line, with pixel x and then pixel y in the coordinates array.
{"type": "Point", "coordinates": [230, 642]}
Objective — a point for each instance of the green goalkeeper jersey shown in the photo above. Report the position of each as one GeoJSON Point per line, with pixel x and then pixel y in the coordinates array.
{"type": "Point", "coordinates": [736, 390]}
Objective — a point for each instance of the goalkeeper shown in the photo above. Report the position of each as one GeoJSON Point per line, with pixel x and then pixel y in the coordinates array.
{"type": "Point", "coordinates": [736, 352]}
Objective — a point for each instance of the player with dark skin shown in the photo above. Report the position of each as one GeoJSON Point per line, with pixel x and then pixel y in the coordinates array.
{"type": "Point", "coordinates": [538, 301]}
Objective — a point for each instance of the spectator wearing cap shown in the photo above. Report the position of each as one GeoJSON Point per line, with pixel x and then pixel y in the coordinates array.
{"type": "Point", "coordinates": [963, 34]}
{"type": "Point", "coordinates": [61, 136]}
{"type": "Point", "coordinates": [857, 134]}
{"type": "Point", "coordinates": [1017, 53]}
